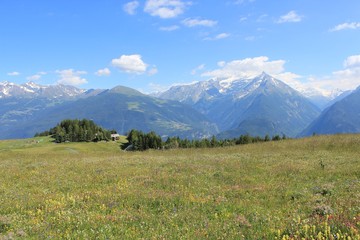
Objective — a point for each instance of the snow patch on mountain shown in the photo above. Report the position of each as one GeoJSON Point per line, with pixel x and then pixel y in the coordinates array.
{"type": "Point", "coordinates": [240, 88]}
{"type": "Point", "coordinates": [217, 88]}
{"type": "Point", "coordinates": [31, 89]}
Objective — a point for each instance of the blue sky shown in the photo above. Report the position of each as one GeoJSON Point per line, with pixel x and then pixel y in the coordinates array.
{"type": "Point", "coordinates": [152, 44]}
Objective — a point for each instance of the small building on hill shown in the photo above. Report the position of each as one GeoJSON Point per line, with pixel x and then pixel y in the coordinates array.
{"type": "Point", "coordinates": [115, 137]}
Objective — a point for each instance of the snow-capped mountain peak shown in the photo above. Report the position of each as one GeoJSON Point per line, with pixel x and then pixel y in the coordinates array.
{"type": "Point", "coordinates": [31, 89]}
{"type": "Point", "coordinates": [261, 105]}
{"type": "Point", "coordinates": [32, 85]}
{"type": "Point", "coordinates": [4, 83]}
{"type": "Point", "coordinates": [213, 88]}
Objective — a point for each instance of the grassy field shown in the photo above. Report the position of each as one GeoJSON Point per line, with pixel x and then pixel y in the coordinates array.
{"type": "Point", "coordinates": [292, 189]}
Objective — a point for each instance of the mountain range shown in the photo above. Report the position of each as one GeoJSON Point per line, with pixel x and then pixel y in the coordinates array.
{"type": "Point", "coordinates": [120, 108]}
{"type": "Point", "coordinates": [257, 106]}
{"type": "Point", "coordinates": [33, 90]}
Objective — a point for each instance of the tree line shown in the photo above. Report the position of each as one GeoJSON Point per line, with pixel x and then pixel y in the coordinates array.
{"type": "Point", "coordinates": [87, 131]}
{"type": "Point", "coordinates": [140, 141]}
{"type": "Point", "coordinates": [77, 131]}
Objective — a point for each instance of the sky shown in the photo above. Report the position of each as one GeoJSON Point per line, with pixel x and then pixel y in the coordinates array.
{"type": "Point", "coordinates": [151, 45]}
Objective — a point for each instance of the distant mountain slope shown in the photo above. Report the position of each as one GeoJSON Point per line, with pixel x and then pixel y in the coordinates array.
{"type": "Point", "coordinates": [201, 95]}
{"type": "Point", "coordinates": [339, 97]}
{"type": "Point", "coordinates": [31, 90]}
{"type": "Point", "coordinates": [19, 104]}
{"type": "Point", "coordinates": [122, 109]}
{"type": "Point", "coordinates": [259, 106]}
{"type": "Point", "coordinates": [342, 117]}
{"type": "Point", "coordinates": [321, 99]}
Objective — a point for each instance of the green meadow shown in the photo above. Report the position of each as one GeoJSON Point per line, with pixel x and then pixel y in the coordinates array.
{"type": "Point", "coordinates": [289, 189]}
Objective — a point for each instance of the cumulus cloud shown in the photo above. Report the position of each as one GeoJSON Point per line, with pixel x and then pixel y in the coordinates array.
{"type": "Point", "coordinates": [245, 68]}
{"type": "Point", "coordinates": [345, 26]}
{"type": "Point", "coordinates": [165, 8]}
{"type": "Point", "coordinates": [103, 72]}
{"type": "Point", "coordinates": [130, 64]}
{"type": "Point", "coordinates": [71, 77]}
{"type": "Point", "coordinates": [169, 28]}
{"type": "Point", "coordinates": [194, 22]}
{"type": "Point", "coordinates": [348, 78]}
{"type": "Point", "coordinates": [291, 79]}
{"type": "Point", "coordinates": [13, 74]}
{"type": "Point", "coordinates": [291, 16]}
{"type": "Point", "coordinates": [130, 7]}
{"type": "Point", "coordinates": [133, 64]}
{"type": "Point", "coordinates": [345, 79]}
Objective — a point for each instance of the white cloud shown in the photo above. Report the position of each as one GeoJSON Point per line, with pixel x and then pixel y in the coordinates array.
{"type": "Point", "coordinates": [290, 79]}
{"type": "Point", "coordinates": [130, 7]}
{"type": "Point", "coordinates": [250, 38]}
{"type": "Point", "coordinates": [13, 74]}
{"type": "Point", "coordinates": [238, 2]}
{"type": "Point", "coordinates": [352, 61]}
{"type": "Point", "coordinates": [218, 37]}
{"type": "Point", "coordinates": [222, 36]}
{"type": "Point", "coordinates": [103, 72]}
{"type": "Point", "coordinates": [153, 71]}
{"type": "Point", "coordinates": [169, 28]}
{"type": "Point", "coordinates": [71, 77]}
{"type": "Point", "coordinates": [156, 88]}
{"type": "Point", "coordinates": [165, 8]}
{"type": "Point", "coordinates": [345, 79]}
{"type": "Point", "coordinates": [244, 68]}
{"type": "Point", "coordinates": [221, 63]}
{"type": "Point", "coordinates": [36, 76]}
{"type": "Point", "coordinates": [262, 18]}
{"type": "Point", "coordinates": [198, 68]}
{"type": "Point", "coordinates": [194, 22]}
{"type": "Point", "coordinates": [243, 19]}
{"type": "Point", "coordinates": [349, 77]}
{"type": "Point", "coordinates": [345, 26]}
{"type": "Point", "coordinates": [130, 64]}
{"type": "Point", "coordinates": [291, 16]}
